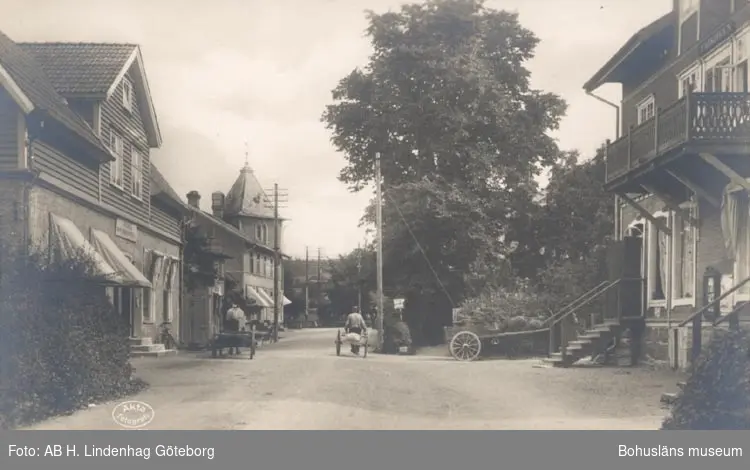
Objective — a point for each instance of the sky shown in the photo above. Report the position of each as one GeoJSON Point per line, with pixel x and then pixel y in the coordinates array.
{"type": "Point", "coordinates": [230, 77]}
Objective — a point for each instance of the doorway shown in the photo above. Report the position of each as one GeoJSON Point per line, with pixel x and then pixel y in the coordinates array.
{"type": "Point", "coordinates": [122, 299]}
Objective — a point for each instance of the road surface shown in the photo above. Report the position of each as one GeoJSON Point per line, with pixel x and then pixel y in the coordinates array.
{"type": "Point", "coordinates": [299, 383]}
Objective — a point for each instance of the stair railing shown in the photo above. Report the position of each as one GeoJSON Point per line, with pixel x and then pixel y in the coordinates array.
{"type": "Point", "coordinates": [576, 305]}
{"type": "Point", "coordinates": [696, 318]}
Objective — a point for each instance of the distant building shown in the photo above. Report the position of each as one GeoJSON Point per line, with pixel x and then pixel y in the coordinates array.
{"type": "Point", "coordinates": [241, 228]}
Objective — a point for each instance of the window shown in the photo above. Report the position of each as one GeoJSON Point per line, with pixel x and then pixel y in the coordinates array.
{"type": "Point", "coordinates": [247, 263]}
{"type": "Point", "coordinates": [687, 8]}
{"type": "Point", "coordinates": [741, 77]}
{"type": "Point", "coordinates": [136, 173]}
{"type": "Point", "coordinates": [719, 77]}
{"type": "Point", "coordinates": [115, 167]}
{"type": "Point", "coordinates": [261, 233]}
{"type": "Point", "coordinates": [257, 264]}
{"type": "Point", "coordinates": [127, 94]}
{"type": "Point", "coordinates": [658, 247]}
{"type": "Point", "coordinates": [735, 218]}
{"type": "Point", "coordinates": [155, 263]}
{"type": "Point", "coordinates": [264, 266]}
{"type": "Point", "coordinates": [170, 274]}
{"type": "Point", "coordinates": [690, 81]}
{"type": "Point", "coordinates": [683, 259]}
{"type": "Point", "coordinates": [646, 110]}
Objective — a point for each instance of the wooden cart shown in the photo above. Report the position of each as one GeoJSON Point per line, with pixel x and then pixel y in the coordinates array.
{"type": "Point", "coordinates": [242, 339]}
{"type": "Point", "coordinates": [468, 342]}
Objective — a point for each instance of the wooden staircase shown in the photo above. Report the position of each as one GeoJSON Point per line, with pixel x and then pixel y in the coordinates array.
{"type": "Point", "coordinates": [591, 343]}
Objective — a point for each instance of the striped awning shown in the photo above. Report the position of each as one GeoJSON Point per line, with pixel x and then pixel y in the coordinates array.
{"type": "Point", "coordinates": [257, 296]}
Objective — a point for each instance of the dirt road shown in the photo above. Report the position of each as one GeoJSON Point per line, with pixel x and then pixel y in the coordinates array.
{"type": "Point", "coordinates": [299, 383]}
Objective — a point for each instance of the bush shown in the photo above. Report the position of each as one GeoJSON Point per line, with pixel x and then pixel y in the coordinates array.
{"type": "Point", "coordinates": [717, 393]}
{"type": "Point", "coordinates": [397, 334]}
{"type": "Point", "coordinates": [506, 311]}
{"type": "Point", "coordinates": [62, 344]}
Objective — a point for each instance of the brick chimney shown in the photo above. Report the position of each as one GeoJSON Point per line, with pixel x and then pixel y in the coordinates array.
{"type": "Point", "coordinates": [194, 199]}
{"type": "Point", "coordinates": [217, 204]}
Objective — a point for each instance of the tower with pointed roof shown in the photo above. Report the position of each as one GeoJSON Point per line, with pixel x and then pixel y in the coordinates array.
{"type": "Point", "coordinates": [249, 208]}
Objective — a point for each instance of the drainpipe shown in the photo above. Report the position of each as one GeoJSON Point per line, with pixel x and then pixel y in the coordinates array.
{"type": "Point", "coordinates": [618, 217]}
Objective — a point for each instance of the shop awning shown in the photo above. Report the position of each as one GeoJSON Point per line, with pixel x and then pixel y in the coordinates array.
{"type": "Point", "coordinates": [71, 243]}
{"type": "Point", "coordinates": [286, 301]}
{"type": "Point", "coordinates": [258, 297]}
{"type": "Point", "coordinates": [117, 259]}
{"type": "Point", "coordinates": [269, 299]}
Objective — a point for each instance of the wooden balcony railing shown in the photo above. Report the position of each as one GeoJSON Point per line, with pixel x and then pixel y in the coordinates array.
{"type": "Point", "coordinates": [719, 117]}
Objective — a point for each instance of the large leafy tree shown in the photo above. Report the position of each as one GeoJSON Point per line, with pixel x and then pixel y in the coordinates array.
{"type": "Point", "coordinates": [446, 101]}
{"type": "Point", "coordinates": [575, 224]}
{"type": "Point", "coordinates": [352, 275]}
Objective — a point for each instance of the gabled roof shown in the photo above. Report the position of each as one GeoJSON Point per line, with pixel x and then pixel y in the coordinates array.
{"type": "Point", "coordinates": [247, 197]}
{"type": "Point", "coordinates": [160, 188]}
{"type": "Point", "coordinates": [654, 30]}
{"type": "Point", "coordinates": [94, 70]}
{"type": "Point", "coordinates": [25, 80]}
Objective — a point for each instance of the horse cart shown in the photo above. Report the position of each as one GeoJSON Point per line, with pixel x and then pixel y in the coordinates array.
{"type": "Point", "coordinates": [352, 339]}
{"type": "Point", "coordinates": [234, 341]}
{"type": "Point", "coordinates": [468, 343]}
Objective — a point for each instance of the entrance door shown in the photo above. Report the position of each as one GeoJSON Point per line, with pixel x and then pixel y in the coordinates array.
{"type": "Point", "coordinates": [625, 265]}
{"type": "Point", "coordinates": [123, 301]}
{"type": "Point", "coordinates": [126, 299]}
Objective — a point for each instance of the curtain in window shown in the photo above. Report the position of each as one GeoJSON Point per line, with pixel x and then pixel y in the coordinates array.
{"type": "Point", "coordinates": [688, 268]}
{"type": "Point", "coordinates": [729, 219]}
{"type": "Point", "coordinates": [662, 240]}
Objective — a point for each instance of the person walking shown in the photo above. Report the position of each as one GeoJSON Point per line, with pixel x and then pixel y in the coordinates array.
{"type": "Point", "coordinates": [355, 323]}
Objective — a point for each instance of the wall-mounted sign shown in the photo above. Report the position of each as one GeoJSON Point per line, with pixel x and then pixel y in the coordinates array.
{"type": "Point", "coordinates": [398, 304]}
{"type": "Point", "coordinates": [717, 38]}
{"type": "Point", "coordinates": [126, 230]}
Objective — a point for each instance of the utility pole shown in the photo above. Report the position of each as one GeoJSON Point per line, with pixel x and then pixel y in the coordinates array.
{"type": "Point", "coordinates": [307, 284]}
{"type": "Point", "coordinates": [319, 291]}
{"type": "Point", "coordinates": [359, 278]}
{"type": "Point", "coordinates": [276, 261]}
{"type": "Point", "coordinates": [379, 217]}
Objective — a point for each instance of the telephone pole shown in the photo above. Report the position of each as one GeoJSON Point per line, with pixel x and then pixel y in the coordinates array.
{"type": "Point", "coordinates": [379, 217]}
{"type": "Point", "coordinates": [359, 278]}
{"type": "Point", "coordinates": [307, 283]}
{"type": "Point", "coordinates": [277, 198]}
{"type": "Point", "coordinates": [319, 291]}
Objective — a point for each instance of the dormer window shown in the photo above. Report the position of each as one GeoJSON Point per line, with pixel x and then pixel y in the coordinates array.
{"type": "Point", "coordinates": [687, 8]}
{"type": "Point", "coordinates": [127, 94]}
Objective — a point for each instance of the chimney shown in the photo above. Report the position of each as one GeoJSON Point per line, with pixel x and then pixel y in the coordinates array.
{"type": "Point", "coordinates": [194, 199]}
{"type": "Point", "coordinates": [217, 204]}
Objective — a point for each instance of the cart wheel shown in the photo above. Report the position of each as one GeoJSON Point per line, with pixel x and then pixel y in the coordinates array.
{"type": "Point", "coordinates": [465, 346]}
{"type": "Point", "coordinates": [338, 343]}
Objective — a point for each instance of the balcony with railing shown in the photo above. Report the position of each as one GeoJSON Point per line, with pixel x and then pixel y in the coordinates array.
{"type": "Point", "coordinates": [698, 120]}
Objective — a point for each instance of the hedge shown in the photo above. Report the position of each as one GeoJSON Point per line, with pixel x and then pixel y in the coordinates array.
{"type": "Point", "coordinates": [62, 344]}
{"type": "Point", "coordinates": [716, 394]}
